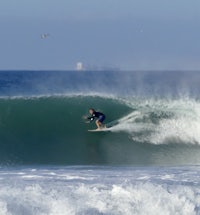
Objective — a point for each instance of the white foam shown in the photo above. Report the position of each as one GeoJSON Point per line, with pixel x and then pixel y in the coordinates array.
{"type": "Point", "coordinates": [32, 177]}
{"type": "Point", "coordinates": [116, 199]}
{"type": "Point", "coordinates": [182, 123]}
{"type": "Point", "coordinates": [111, 191]}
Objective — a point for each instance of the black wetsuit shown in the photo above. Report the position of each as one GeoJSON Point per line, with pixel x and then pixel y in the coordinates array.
{"type": "Point", "coordinates": [101, 117]}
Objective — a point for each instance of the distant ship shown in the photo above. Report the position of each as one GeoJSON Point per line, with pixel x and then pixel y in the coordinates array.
{"type": "Point", "coordinates": [79, 66]}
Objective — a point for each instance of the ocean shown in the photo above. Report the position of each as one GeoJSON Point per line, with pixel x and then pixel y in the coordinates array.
{"type": "Point", "coordinates": [146, 163]}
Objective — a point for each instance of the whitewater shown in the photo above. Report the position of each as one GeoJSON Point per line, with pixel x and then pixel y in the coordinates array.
{"type": "Point", "coordinates": [147, 162]}
{"type": "Point", "coordinates": [100, 190]}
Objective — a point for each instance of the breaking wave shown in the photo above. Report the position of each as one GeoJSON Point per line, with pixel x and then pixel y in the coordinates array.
{"type": "Point", "coordinates": [50, 130]}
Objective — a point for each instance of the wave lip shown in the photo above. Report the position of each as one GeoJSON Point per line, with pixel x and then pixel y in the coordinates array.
{"type": "Point", "coordinates": [162, 121]}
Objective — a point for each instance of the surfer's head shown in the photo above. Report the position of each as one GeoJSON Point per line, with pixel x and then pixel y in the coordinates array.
{"type": "Point", "coordinates": [91, 110]}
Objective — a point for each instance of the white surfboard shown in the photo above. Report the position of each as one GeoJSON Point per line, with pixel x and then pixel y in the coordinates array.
{"type": "Point", "coordinates": [99, 130]}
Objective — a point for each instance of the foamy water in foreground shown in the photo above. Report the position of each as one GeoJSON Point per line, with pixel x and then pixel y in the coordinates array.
{"type": "Point", "coordinates": [100, 190]}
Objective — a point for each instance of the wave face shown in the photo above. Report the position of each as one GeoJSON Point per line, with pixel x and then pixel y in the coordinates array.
{"type": "Point", "coordinates": [156, 117]}
{"type": "Point", "coordinates": [50, 130]}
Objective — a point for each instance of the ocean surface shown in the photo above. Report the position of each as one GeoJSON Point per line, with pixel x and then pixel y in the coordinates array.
{"type": "Point", "coordinates": [146, 163]}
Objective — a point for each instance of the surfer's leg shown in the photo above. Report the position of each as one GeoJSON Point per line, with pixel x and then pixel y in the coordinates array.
{"type": "Point", "coordinates": [98, 123]}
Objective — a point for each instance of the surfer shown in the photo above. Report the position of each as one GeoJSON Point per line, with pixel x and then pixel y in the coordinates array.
{"type": "Point", "coordinates": [100, 118]}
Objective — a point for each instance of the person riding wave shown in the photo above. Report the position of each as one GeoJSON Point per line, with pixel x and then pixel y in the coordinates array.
{"type": "Point", "coordinates": [100, 118]}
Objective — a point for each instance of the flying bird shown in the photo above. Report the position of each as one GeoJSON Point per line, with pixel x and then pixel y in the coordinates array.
{"type": "Point", "coordinates": [44, 36]}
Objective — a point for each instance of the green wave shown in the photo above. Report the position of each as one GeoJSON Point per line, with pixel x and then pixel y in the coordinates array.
{"type": "Point", "coordinates": [51, 130]}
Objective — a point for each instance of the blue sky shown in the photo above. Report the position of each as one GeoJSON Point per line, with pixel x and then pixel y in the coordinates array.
{"type": "Point", "coordinates": [128, 34]}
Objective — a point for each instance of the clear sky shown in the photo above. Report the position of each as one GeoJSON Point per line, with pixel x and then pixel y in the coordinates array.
{"type": "Point", "coordinates": [125, 34]}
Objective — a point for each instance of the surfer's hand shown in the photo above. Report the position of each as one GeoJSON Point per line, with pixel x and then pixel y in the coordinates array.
{"type": "Point", "coordinates": [85, 118]}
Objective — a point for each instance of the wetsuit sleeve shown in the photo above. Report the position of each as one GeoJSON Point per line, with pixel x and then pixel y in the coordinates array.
{"type": "Point", "coordinates": [91, 118]}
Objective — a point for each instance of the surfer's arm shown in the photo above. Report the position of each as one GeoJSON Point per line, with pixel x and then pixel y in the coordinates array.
{"type": "Point", "coordinates": [91, 118]}
{"type": "Point", "coordinates": [88, 119]}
